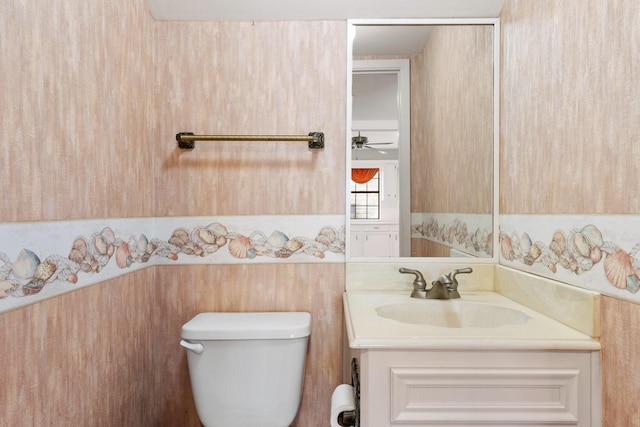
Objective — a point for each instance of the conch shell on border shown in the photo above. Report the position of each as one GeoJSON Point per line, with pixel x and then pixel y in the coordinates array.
{"type": "Point", "coordinates": [44, 271]}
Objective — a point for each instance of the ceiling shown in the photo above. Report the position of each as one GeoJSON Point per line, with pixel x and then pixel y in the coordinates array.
{"type": "Point", "coordinates": [291, 10]}
{"type": "Point", "coordinates": [390, 39]}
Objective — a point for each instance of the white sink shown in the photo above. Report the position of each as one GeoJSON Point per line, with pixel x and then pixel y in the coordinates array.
{"type": "Point", "coordinates": [452, 314]}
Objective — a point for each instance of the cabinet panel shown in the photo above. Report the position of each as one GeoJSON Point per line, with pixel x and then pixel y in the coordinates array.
{"type": "Point", "coordinates": [484, 395]}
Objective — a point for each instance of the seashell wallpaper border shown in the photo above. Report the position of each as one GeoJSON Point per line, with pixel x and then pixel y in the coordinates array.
{"type": "Point", "coordinates": [40, 260]}
{"type": "Point", "coordinates": [468, 233]}
{"type": "Point", "coordinates": [595, 252]}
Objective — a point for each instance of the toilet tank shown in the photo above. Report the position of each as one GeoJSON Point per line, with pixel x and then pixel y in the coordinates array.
{"type": "Point", "coordinates": [247, 369]}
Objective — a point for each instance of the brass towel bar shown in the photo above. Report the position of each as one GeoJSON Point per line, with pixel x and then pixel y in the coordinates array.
{"type": "Point", "coordinates": [186, 140]}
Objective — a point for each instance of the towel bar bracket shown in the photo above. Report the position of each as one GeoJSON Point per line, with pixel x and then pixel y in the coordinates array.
{"type": "Point", "coordinates": [185, 144]}
{"type": "Point", "coordinates": [317, 141]}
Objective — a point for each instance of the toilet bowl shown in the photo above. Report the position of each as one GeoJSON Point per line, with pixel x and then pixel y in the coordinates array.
{"type": "Point", "coordinates": [247, 369]}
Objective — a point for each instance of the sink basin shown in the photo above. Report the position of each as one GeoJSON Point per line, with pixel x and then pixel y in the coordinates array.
{"type": "Point", "coordinates": [452, 314]}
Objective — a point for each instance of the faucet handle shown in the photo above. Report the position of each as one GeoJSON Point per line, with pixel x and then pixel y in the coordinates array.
{"type": "Point", "coordinates": [452, 276]}
{"type": "Point", "coordinates": [419, 284]}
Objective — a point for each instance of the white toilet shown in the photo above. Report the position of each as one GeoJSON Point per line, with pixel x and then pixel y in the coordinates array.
{"type": "Point", "coordinates": [247, 369]}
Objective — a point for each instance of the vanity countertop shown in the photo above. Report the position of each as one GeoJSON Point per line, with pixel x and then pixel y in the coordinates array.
{"type": "Point", "coordinates": [366, 329]}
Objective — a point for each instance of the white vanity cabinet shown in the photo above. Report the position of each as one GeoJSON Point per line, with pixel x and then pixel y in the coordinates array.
{"type": "Point", "coordinates": [478, 387]}
{"type": "Point", "coordinates": [368, 240]}
{"type": "Point", "coordinates": [524, 370]}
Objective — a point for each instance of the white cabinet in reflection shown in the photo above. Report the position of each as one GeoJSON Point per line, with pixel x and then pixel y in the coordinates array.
{"type": "Point", "coordinates": [368, 240]}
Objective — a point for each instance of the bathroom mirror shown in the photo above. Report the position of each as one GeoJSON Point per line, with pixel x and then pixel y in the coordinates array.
{"type": "Point", "coordinates": [422, 139]}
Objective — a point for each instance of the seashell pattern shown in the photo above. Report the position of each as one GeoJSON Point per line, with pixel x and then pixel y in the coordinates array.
{"type": "Point", "coordinates": [207, 236]}
{"type": "Point", "coordinates": [455, 234]}
{"type": "Point", "coordinates": [78, 250]}
{"type": "Point", "coordinates": [277, 239]}
{"type": "Point", "coordinates": [577, 251]}
{"type": "Point", "coordinates": [25, 265]}
{"type": "Point", "coordinates": [218, 229]}
{"type": "Point", "coordinates": [27, 275]}
{"type": "Point", "coordinates": [327, 236]}
{"type": "Point", "coordinates": [45, 270]}
{"type": "Point", "coordinates": [179, 238]}
{"type": "Point", "coordinates": [293, 245]}
{"type": "Point", "coordinates": [558, 243]}
{"type": "Point", "coordinates": [241, 247]}
{"type": "Point", "coordinates": [506, 248]}
{"type": "Point", "coordinates": [123, 256]}
{"type": "Point", "coordinates": [7, 288]}
{"type": "Point", "coordinates": [618, 267]}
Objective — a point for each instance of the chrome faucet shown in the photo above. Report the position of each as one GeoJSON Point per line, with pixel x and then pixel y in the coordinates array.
{"type": "Point", "coordinates": [446, 287]}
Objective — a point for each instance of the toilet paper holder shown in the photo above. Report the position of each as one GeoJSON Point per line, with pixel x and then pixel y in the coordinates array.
{"type": "Point", "coordinates": [352, 418]}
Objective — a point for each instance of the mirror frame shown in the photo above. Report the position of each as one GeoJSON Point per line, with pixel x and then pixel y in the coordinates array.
{"type": "Point", "coordinates": [495, 22]}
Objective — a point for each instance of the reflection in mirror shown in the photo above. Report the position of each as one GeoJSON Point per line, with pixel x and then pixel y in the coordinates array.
{"type": "Point", "coordinates": [423, 140]}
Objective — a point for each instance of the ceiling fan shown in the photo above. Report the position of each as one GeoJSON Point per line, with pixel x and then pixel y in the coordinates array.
{"type": "Point", "coordinates": [358, 142]}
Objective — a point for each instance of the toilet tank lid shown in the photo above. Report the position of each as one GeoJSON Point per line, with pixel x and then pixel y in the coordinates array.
{"type": "Point", "coordinates": [238, 326]}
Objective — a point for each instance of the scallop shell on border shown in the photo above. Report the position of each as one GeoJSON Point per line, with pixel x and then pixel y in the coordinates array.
{"type": "Point", "coordinates": [25, 265]}
{"type": "Point", "coordinates": [618, 267]}
{"type": "Point", "coordinates": [240, 247]}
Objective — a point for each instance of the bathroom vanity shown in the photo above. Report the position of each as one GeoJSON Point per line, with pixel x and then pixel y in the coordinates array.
{"type": "Point", "coordinates": [483, 359]}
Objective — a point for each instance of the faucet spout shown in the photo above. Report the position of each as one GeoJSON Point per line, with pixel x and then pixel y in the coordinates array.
{"type": "Point", "coordinates": [441, 288]}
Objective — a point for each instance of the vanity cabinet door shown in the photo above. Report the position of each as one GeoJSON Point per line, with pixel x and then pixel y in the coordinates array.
{"type": "Point", "coordinates": [377, 244]}
{"type": "Point", "coordinates": [355, 243]}
{"type": "Point", "coordinates": [467, 388]}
